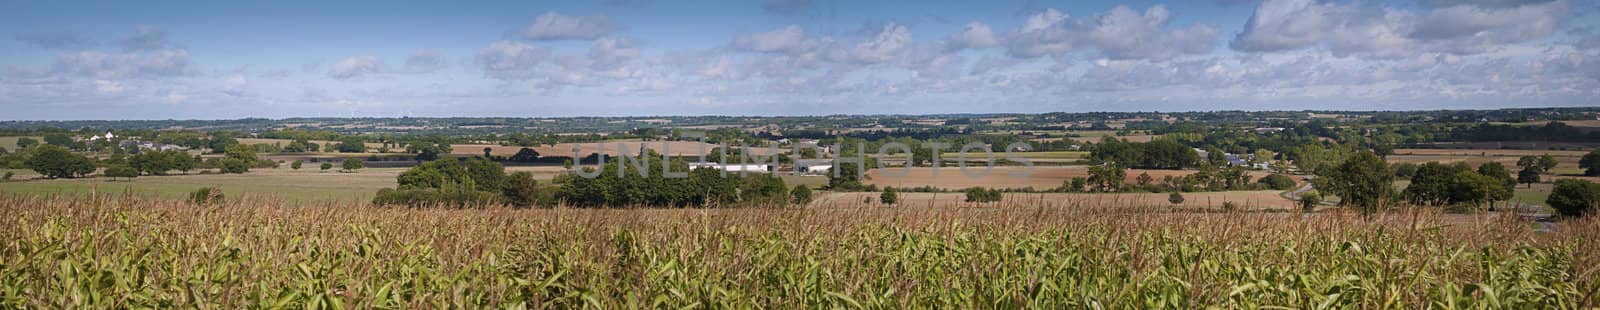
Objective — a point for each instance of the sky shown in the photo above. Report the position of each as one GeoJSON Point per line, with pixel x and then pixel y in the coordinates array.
{"type": "Point", "coordinates": [236, 59]}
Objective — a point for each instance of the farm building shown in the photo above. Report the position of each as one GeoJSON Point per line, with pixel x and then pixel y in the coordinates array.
{"type": "Point", "coordinates": [733, 167]}
{"type": "Point", "coordinates": [813, 166]}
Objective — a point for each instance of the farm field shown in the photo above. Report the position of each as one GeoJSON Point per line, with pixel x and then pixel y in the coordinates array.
{"type": "Point", "coordinates": [371, 146]}
{"type": "Point", "coordinates": [1005, 255]}
{"type": "Point", "coordinates": [675, 148]}
{"type": "Point", "coordinates": [10, 143]}
{"type": "Point", "coordinates": [1043, 177]}
{"type": "Point", "coordinates": [1037, 157]}
{"type": "Point", "coordinates": [1244, 200]}
{"type": "Point", "coordinates": [305, 185]}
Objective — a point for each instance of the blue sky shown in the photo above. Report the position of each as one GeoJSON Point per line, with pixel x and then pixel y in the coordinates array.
{"type": "Point", "coordinates": [228, 59]}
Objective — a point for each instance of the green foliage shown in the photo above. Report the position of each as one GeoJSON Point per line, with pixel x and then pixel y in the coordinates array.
{"type": "Point", "coordinates": [1157, 154]}
{"type": "Point", "coordinates": [1590, 163]}
{"type": "Point", "coordinates": [451, 196]}
{"type": "Point", "coordinates": [296, 164]}
{"type": "Point", "coordinates": [57, 162]}
{"type": "Point", "coordinates": [1277, 181]}
{"type": "Point", "coordinates": [206, 195]}
{"type": "Point", "coordinates": [1404, 170]}
{"type": "Point", "coordinates": [26, 143]}
{"type": "Point", "coordinates": [1175, 198]}
{"type": "Point", "coordinates": [352, 145]}
{"type": "Point", "coordinates": [979, 194]}
{"type": "Point", "coordinates": [800, 195]}
{"type": "Point", "coordinates": [1440, 184]}
{"type": "Point", "coordinates": [326, 166]}
{"type": "Point", "coordinates": [521, 190]}
{"type": "Point", "coordinates": [233, 165]}
{"type": "Point", "coordinates": [352, 164]}
{"type": "Point", "coordinates": [7, 176]}
{"type": "Point", "coordinates": [525, 155]}
{"type": "Point", "coordinates": [1309, 201]}
{"type": "Point", "coordinates": [121, 171]}
{"type": "Point", "coordinates": [1106, 177]}
{"type": "Point", "coordinates": [845, 177]}
{"type": "Point", "coordinates": [62, 140]}
{"type": "Point", "coordinates": [1528, 176]}
{"type": "Point", "coordinates": [888, 196]}
{"type": "Point", "coordinates": [617, 184]}
{"type": "Point", "coordinates": [1363, 181]}
{"type": "Point", "coordinates": [483, 174]}
{"type": "Point", "coordinates": [160, 162]}
{"type": "Point", "coordinates": [428, 149]}
{"type": "Point", "coordinates": [1572, 197]}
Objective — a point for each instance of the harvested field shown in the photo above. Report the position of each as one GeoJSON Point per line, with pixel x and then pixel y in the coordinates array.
{"type": "Point", "coordinates": [675, 148]}
{"type": "Point", "coordinates": [1244, 200]}
{"type": "Point", "coordinates": [1043, 177]}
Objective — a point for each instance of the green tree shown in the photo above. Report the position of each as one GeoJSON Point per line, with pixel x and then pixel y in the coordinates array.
{"type": "Point", "coordinates": [525, 155]}
{"type": "Point", "coordinates": [121, 171]}
{"type": "Point", "coordinates": [296, 164]}
{"type": "Point", "coordinates": [521, 190]}
{"type": "Point", "coordinates": [1590, 163]}
{"type": "Point", "coordinates": [1572, 197]}
{"type": "Point", "coordinates": [1309, 201]}
{"type": "Point", "coordinates": [234, 165]}
{"type": "Point", "coordinates": [1364, 181]}
{"type": "Point", "coordinates": [1107, 177]}
{"type": "Point", "coordinates": [326, 166]}
{"type": "Point", "coordinates": [352, 164]}
{"type": "Point", "coordinates": [800, 195]}
{"type": "Point", "coordinates": [1277, 181]}
{"type": "Point", "coordinates": [58, 162]}
{"type": "Point", "coordinates": [888, 196]}
{"type": "Point", "coordinates": [845, 176]}
{"type": "Point", "coordinates": [26, 143]}
{"type": "Point", "coordinates": [1499, 172]}
{"type": "Point", "coordinates": [352, 145]}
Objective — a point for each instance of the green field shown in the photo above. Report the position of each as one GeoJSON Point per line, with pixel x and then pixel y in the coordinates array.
{"type": "Point", "coordinates": [294, 186]}
{"type": "Point", "coordinates": [10, 143]}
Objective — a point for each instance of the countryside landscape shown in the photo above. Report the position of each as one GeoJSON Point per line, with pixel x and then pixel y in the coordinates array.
{"type": "Point", "coordinates": [1415, 154]}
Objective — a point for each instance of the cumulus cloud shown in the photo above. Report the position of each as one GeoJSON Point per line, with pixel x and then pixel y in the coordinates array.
{"type": "Point", "coordinates": [235, 85]}
{"type": "Point", "coordinates": [975, 35]}
{"type": "Point", "coordinates": [164, 63]}
{"type": "Point", "coordinates": [425, 61]}
{"type": "Point", "coordinates": [55, 40]}
{"type": "Point", "coordinates": [885, 46]}
{"type": "Point", "coordinates": [789, 40]}
{"type": "Point", "coordinates": [1356, 29]}
{"type": "Point", "coordinates": [786, 6]}
{"type": "Point", "coordinates": [557, 26]}
{"type": "Point", "coordinates": [145, 38]}
{"type": "Point", "coordinates": [1120, 33]}
{"type": "Point", "coordinates": [610, 52]}
{"type": "Point", "coordinates": [355, 67]}
{"type": "Point", "coordinates": [508, 60]}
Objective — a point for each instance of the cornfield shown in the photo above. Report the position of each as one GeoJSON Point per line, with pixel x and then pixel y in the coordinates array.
{"type": "Point", "coordinates": [122, 251]}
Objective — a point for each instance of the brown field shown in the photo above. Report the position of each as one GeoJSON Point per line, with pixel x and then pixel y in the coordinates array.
{"type": "Point", "coordinates": [1130, 138]}
{"type": "Point", "coordinates": [676, 148]}
{"type": "Point", "coordinates": [1043, 177]}
{"type": "Point", "coordinates": [1516, 153]}
{"type": "Point", "coordinates": [1564, 159]}
{"type": "Point", "coordinates": [1245, 200]}
{"type": "Point", "coordinates": [371, 146]}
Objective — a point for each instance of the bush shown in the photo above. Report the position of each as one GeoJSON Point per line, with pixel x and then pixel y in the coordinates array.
{"type": "Point", "coordinates": [1573, 197]}
{"type": "Point", "coordinates": [1175, 198]}
{"type": "Point", "coordinates": [1277, 181]}
{"type": "Point", "coordinates": [352, 164]}
{"type": "Point", "coordinates": [326, 166]}
{"type": "Point", "coordinates": [295, 165]}
{"type": "Point", "coordinates": [234, 165]}
{"type": "Point", "coordinates": [888, 196]}
{"type": "Point", "coordinates": [800, 195]}
{"type": "Point", "coordinates": [978, 194]}
{"type": "Point", "coordinates": [8, 176]}
{"type": "Point", "coordinates": [1309, 201]}
{"type": "Point", "coordinates": [521, 190]}
{"type": "Point", "coordinates": [206, 195]}
{"type": "Point", "coordinates": [57, 162]}
{"type": "Point", "coordinates": [121, 171]}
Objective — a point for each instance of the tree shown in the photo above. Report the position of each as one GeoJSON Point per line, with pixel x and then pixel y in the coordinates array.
{"type": "Point", "coordinates": [326, 166]}
{"type": "Point", "coordinates": [1590, 163]}
{"type": "Point", "coordinates": [1547, 162]}
{"type": "Point", "coordinates": [1364, 181]}
{"type": "Point", "coordinates": [845, 176]}
{"type": "Point", "coordinates": [26, 143]}
{"type": "Point", "coordinates": [1433, 183]}
{"type": "Point", "coordinates": [234, 165]}
{"type": "Point", "coordinates": [295, 165]}
{"type": "Point", "coordinates": [488, 152]}
{"type": "Point", "coordinates": [1277, 181]}
{"type": "Point", "coordinates": [1499, 172]}
{"type": "Point", "coordinates": [1309, 201]}
{"type": "Point", "coordinates": [1175, 198]}
{"type": "Point", "coordinates": [978, 194]}
{"type": "Point", "coordinates": [352, 145]}
{"type": "Point", "coordinates": [1106, 177]}
{"type": "Point", "coordinates": [1528, 175]}
{"type": "Point", "coordinates": [800, 195]}
{"type": "Point", "coordinates": [1144, 179]}
{"type": "Point", "coordinates": [1572, 197]}
{"type": "Point", "coordinates": [121, 171]}
{"type": "Point", "coordinates": [62, 140]}
{"type": "Point", "coordinates": [521, 190]}
{"type": "Point", "coordinates": [57, 162]}
{"type": "Point", "coordinates": [1077, 184]}
{"type": "Point", "coordinates": [525, 155]}
{"type": "Point", "coordinates": [352, 164]}
{"type": "Point", "coordinates": [888, 196]}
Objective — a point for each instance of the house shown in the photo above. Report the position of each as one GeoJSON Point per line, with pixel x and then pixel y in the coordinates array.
{"type": "Point", "coordinates": [813, 166]}
{"type": "Point", "coordinates": [1265, 130]}
{"type": "Point", "coordinates": [733, 167]}
{"type": "Point", "coordinates": [108, 136]}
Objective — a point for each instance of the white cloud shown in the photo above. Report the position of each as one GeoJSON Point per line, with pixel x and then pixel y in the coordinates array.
{"type": "Point", "coordinates": [509, 60]}
{"type": "Point", "coordinates": [1385, 32]}
{"type": "Point", "coordinates": [355, 67]}
{"type": "Point", "coordinates": [235, 85]}
{"type": "Point", "coordinates": [557, 26]}
{"type": "Point", "coordinates": [1120, 33]}
{"type": "Point", "coordinates": [425, 61]}
{"type": "Point", "coordinates": [165, 63]}
{"type": "Point", "coordinates": [789, 40]}
{"type": "Point", "coordinates": [975, 35]}
{"type": "Point", "coordinates": [883, 47]}
{"type": "Point", "coordinates": [109, 87]}
{"type": "Point", "coordinates": [610, 52]}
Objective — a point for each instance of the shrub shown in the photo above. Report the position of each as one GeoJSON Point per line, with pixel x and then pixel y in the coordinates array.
{"type": "Point", "coordinates": [234, 165]}
{"type": "Point", "coordinates": [58, 162]}
{"type": "Point", "coordinates": [978, 194]}
{"type": "Point", "coordinates": [458, 197]}
{"type": "Point", "coordinates": [8, 176]}
{"type": "Point", "coordinates": [800, 195]}
{"type": "Point", "coordinates": [1175, 198]}
{"type": "Point", "coordinates": [1573, 197]}
{"type": "Point", "coordinates": [206, 195]}
{"type": "Point", "coordinates": [521, 190]}
{"type": "Point", "coordinates": [326, 166]}
{"type": "Point", "coordinates": [1277, 181]}
{"type": "Point", "coordinates": [352, 164]}
{"type": "Point", "coordinates": [888, 196]}
{"type": "Point", "coordinates": [295, 165]}
{"type": "Point", "coordinates": [1309, 201]}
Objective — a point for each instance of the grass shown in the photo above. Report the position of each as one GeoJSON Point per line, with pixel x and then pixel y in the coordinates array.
{"type": "Point", "coordinates": [10, 143]}
{"type": "Point", "coordinates": [308, 184]}
{"type": "Point", "coordinates": [129, 252]}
